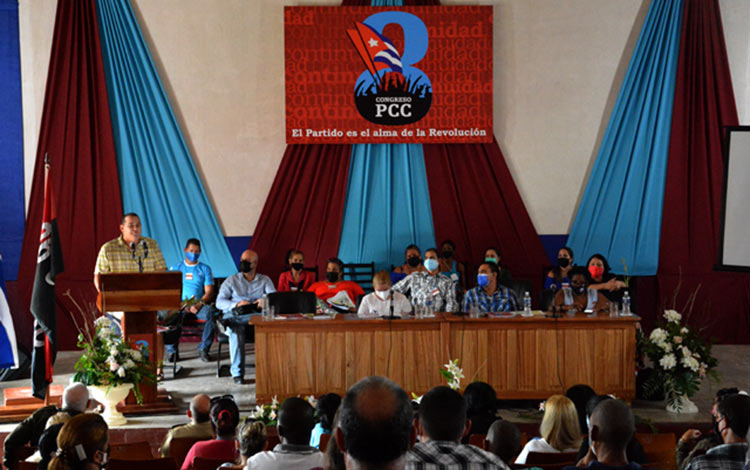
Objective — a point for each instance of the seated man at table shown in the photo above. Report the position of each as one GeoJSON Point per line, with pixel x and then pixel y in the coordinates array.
{"type": "Point", "coordinates": [579, 296]}
{"type": "Point", "coordinates": [430, 288]}
{"type": "Point", "coordinates": [240, 297]}
{"type": "Point", "coordinates": [296, 279]}
{"type": "Point", "coordinates": [489, 295]}
{"type": "Point", "coordinates": [384, 301]}
{"type": "Point", "coordinates": [340, 294]}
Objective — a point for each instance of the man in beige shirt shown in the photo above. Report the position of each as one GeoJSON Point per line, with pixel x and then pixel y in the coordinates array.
{"type": "Point", "coordinates": [199, 426]}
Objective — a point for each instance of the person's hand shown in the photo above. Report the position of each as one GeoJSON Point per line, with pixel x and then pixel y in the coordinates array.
{"type": "Point", "coordinates": [195, 308]}
{"type": "Point", "coordinates": [259, 303]}
{"type": "Point", "coordinates": [620, 284]}
{"type": "Point", "coordinates": [242, 303]}
{"type": "Point", "coordinates": [587, 459]}
{"type": "Point", "coordinates": [691, 436]}
{"type": "Point", "coordinates": [610, 285]}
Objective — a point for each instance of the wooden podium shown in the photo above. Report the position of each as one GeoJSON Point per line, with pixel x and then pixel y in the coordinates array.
{"type": "Point", "coordinates": [139, 296]}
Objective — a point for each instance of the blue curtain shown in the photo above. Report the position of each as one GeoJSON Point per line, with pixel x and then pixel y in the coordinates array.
{"type": "Point", "coordinates": [621, 210]}
{"type": "Point", "coordinates": [157, 176]}
{"type": "Point", "coordinates": [387, 204]}
{"type": "Point", "coordinates": [12, 213]}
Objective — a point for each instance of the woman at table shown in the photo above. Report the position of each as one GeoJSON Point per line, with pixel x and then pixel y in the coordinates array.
{"type": "Point", "coordinates": [330, 289]}
{"type": "Point", "coordinates": [580, 296]}
{"type": "Point", "coordinates": [296, 279]}
{"type": "Point", "coordinates": [489, 295]}
{"type": "Point", "coordinates": [412, 264]}
{"type": "Point", "coordinates": [492, 255]}
{"type": "Point", "coordinates": [603, 280]}
{"type": "Point", "coordinates": [379, 303]}
{"type": "Point", "coordinates": [449, 266]}
{"type": "Point", "coordinates": [559, 275]}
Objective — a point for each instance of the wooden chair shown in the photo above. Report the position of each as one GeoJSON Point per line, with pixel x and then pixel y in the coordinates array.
{"type": "Point", "coordinates": [660, 449]}
{"type": "Point", "coordinates": [165, 463]}
{"type": "Point", "coordinates": [361, 273]}
{"type": "Point", "coordinates": [200, 463]}
{"type": "Point", "coordinates": [479, 440]}
{"type": "Point", "coordinates": [548, 459]}
{"type": "Point", "coordinates": [131, 451]}
{"type": "Point", "coordinates": [179, 448]}
{"type": "Point", "coordinates": [324, 438]}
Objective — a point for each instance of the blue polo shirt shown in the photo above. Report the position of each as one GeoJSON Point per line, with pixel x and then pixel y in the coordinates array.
{"type": "Point", "coordinates": [194, 278]}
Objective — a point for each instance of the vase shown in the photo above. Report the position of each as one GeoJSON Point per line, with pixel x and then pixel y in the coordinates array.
{"type": "Point", "coordinates": [685, 405]}
{"type": "Point", "coordinates": [110, 397]}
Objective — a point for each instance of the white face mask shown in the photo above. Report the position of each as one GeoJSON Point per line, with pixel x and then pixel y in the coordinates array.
{"type": "Point", "coordinates": [383, 293]}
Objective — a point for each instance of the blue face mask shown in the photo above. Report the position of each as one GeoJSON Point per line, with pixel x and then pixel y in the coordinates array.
{"type": "Point", "coordinates": [431, 264]}
{"type": "Point", "coordinates": [482, 280]}
{"type": "Point", "coordinates": [192, 257]}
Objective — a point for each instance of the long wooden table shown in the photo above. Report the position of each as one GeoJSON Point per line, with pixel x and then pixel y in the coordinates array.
{"type": "Point", "coordinates": [522, 358]}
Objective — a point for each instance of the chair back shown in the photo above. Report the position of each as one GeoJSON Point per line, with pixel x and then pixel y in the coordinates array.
{"type": "Point", "coordinates": [201, 463]}
{"type": "Point", "coordinates": [179, 448]}
{"type": "Point", "coordinates": [324, 438]}
{"type": "Point", "coordinates": [165, 463]}
{"type": "Point", "coordinates": [660, 449]}
{"type": "Point", "coordinates": [312, 269]}
{"type": "Point", "coordinates": [519, 287]}
{"type": "Point", "coordinates": [131, 451]}
{"type": "Point", "coordinates": [546, 299]}
{"type": "Point", "coordinates": [24, 465]}
{"type": "Point", "coordinates": [546, 459]}
{"type": "Point", "coordinates": [361, 273]}
{"type": "Point", "coordinates": [293, 302]}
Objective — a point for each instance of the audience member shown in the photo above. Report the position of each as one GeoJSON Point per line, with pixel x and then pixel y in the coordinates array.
{"type": "Point", "coordinates": [198, 288]}
{"type": "Point", "coordinates": [634, 450]}
{"type": "Point", "coordinates": [325, 411]}
{"type": "Point", "coordinates": [199, 426]}
{"type": "Point", "coordinates": [83, 444]}
{"type": "Point", "coordinates": [558, 276]}
{"type": "Point", "coordinates": [376, 425]}
{"type": "Point", "coordinates": [47, 447]}
{"type": "Point", "coordinates": [691, 445]}
{"type": "Point", "coordinates": [481, 407]}
{"type": "Point", "coordinates": [441, 426]}
{"type": "Point", "coordinates": [295, 424]}
{"type": "Point", "coordinates": [504, 440]}
{"type": "Point", "coordinates": [412, 264]}
{"type": "Point", "coordinates": [492, 255]}
{"type": "Point", "coordinates": [333, 459]}
{"type": "Point", "coordinates": [334, 284]}
{"type": "Point", "coordinates": [75, 400]}
{"type": "Point", "coordinates": [733, 418]}
{"type": "Point", "coordinates": [602, 279]}
{"type": "Point", "coordinates": [580, 296]}
{"type": "Point", "coordinates": [489, 295]}
{"type": "Point", "coordinates": [225, 416]}
{"type": "Point", "coordinates": [611, 428]}
{"type": "Point", "coordinates": [580, 394]}
{"type": "Point", "coordinates": [559, 429]}
{"type": "Point", "coordinates": [296, 279]}
{"type": "Point", "coordinates": [252, 440]}
{"type": "Point", "coordinates": [430, 286]}
{"type": "Point", "coordinates": [448, 264]}
{"type": "Point", "coordinates": [384, 301]}
{"type": "Point", "coordinates": [240, 297]}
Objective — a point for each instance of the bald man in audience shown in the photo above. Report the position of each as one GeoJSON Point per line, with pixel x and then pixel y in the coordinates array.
{"type": "Point", "coordinates": [611, 427]}
{"type": "Point", "coordinates": [75, 400]}
{"type": "Point", "coordinates": [376, 425]}
{"type": "Point", "coordinates": [504, 440]}
{"type": "Point", "coordinates": [199, 426]}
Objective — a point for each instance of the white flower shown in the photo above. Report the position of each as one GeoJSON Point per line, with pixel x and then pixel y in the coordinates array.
{"type": "Point", "coordinates": [102, 322]}
{"type": "Point", "coordinates": [672, 316]}
{"type": "Point", "coordinates": [121, 372]}
{"type": "Point", "coordinates": [542, 405]}
{"type": "Point", "coordinates": [135, 354]}
{"type": "Point", "coordinates": [274, 402]}
{"type": "Point", "coordinates": [311, 400]}
{"type": "Point", "coordinates": [685, 351]}
{"type": "Point", "coordinates": [129, 364]}
{"type": "Point", "coordinates": [658, 335]}
{"type": "Point", "coordinates": [677, 339]}
{"type": "Point", "coordinates": [113, 351]}
{"type": "Point", "coordinates": [105, 332]}
{"type": "Point", "coordinates": [667, 347]}
{"type": "Point", "coordinates": [113, 365]}
{"type": "Point", "coordinates": [668, 361]}
{"type": "Point", "coordinates": [416, 398]}
{"type": "Point", "coordinates": [691, 363]}
{"type": "Point", "coordinates": [272, 415]}
{"type": "Point", "coordinates": [257, 413]}
{"type": "Point", "coordinates": [684, 330]}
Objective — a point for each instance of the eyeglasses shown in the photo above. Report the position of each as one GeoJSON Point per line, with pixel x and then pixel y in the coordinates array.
{"type": "Point", "coordinates": [216, 399]}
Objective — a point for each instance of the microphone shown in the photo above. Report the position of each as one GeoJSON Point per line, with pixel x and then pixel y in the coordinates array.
{"type": "Point", "coordinates": [145, 248]}
{"type": "Point", "coordinates": [390, 293]}
{"type": "Point", "coordinates": [132, 249]}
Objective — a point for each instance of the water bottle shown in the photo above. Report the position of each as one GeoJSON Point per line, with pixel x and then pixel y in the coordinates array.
{"type": "Point", "coordinates": [626, 303]}
{"type": "Point", "coordinates": [264, 307]}
{"type": "Point", "coordinates": [429, 307]}
{"type": "Point", "coordinates": [526, 303]}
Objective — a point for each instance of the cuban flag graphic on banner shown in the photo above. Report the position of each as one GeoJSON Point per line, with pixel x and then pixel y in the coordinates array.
{"type": "Point", "coordinates": [8, 351]}
{"type": "Point", "coordinates": [376, 50]}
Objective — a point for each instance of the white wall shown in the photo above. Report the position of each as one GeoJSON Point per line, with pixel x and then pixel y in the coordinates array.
{"type": "Point", "coordinates": [557, 70]}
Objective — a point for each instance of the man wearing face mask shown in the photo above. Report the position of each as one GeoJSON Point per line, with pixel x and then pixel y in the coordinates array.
{"type": "Point", "coordinates": [489, 295]}
{"type": "Point", "coordinates": [334, 285]}
{"type": "Point", "coordinates": [733, 419]}
{"type": "Point", "coordinates": [384, 300]}
{"type": "Point", "coordinates": [692, 443]}
{"type": "Point", "coordinates": [579, 296]}
{"type": "Point", "coordinates": [246, 288]}
{"type": "Point", "coordinates": [430, 286]}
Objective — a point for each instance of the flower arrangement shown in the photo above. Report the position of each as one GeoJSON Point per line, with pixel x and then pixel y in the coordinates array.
{"type": "Point", "coordinates": [453, 374]}
{"type": "Point", "coordinates": [681, 359]}
{"type": "Point", "coordinates": [268, 413]}
{"type": "Point", "coordinates": [107, 360]}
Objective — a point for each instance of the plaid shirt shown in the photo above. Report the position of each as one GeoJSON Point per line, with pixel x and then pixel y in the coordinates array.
{"type": "Point", "coordinates": [446, 455]}
{"type": "Point", "coordinates": [502, 300]}
{"type": "Point", "coordinates": [115, 256]}
{"type": "Point", "coordinates": [724, 457]}
{"type": "Point", "coordinates": [422, 285]}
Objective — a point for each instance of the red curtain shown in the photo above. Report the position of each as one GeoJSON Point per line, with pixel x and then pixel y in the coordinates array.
{"type": "Point", "coordinates": [704, 103]}
{"type": "Point", "coordinates": [305, 207]}
{"type": "Point", "coordinates": [476, 204]}
{"type": "Point", "coordinates": [76, 132]}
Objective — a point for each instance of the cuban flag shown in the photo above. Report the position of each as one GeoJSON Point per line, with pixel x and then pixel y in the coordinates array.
{"type": "Point", "coordinates": [8, 351]}
{"type": "Point", "coordinates": [377, 51]}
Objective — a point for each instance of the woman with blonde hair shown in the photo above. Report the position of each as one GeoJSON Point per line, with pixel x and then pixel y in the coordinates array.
{"type": "Point", "coordinates": [560, 431]}
{"type": "Point", "coordinates": [83, 444]}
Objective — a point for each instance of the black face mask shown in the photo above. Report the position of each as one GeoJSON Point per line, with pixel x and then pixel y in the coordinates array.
{"type": "Point", "coordinates": [563, 262]}
{"type": "Point", "coordinates": [414, 261]}
{"type": "Point", "coordinates": [246, 266]}
{"type": "Point", "coordinates": [579, 290]}
{"type": "Point", "coordinates": [446, 254]}
{"type": "Point", "coordinates": [332, 276]}
{"type": "Point", "coordinates": [297, 266]}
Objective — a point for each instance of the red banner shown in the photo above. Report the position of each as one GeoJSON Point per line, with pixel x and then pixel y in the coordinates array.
{"type": "Point", "coordinates": [388, 74]}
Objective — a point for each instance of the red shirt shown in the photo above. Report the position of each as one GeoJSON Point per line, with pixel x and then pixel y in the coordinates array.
{"type": "Point", "coordinates": [286, 283]}
{"type": "Point", "coordinates": [218, 449]}
{"type": "Point", "coordinates": [325, 290]}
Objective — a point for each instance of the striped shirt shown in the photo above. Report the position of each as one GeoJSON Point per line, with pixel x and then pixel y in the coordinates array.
{"type": "Point", "coordinates": [724, 457]}
{"type": "Point", "coordinates": [502, 300]}
{"type": "Point", "coordinates": [115, 256]}
{"type": "Point", "coordinates": [447, 455]}
{"type": "Point", "coordinates": [423, 286]}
